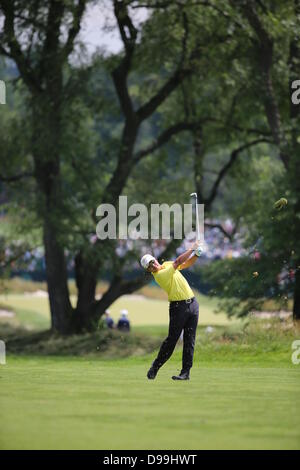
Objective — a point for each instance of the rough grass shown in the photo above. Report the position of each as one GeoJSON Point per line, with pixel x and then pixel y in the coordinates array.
{"type": "Point", "coordinates": [102, 343]}
{"type": "Point", "coordinates": [266, 342]}
{"type": "Point", "coordinates": [272, 306]}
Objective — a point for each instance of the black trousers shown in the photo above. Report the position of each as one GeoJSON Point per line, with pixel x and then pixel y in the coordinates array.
{"type": "Point", "coordinates": [183, 316]}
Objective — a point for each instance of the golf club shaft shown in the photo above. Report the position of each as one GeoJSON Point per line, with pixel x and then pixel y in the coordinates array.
{"type": "Point", "coordinates": [197, 221]}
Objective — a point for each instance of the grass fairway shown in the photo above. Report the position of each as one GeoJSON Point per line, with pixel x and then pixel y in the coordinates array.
{"type": "Point", "coordinates": [59, 403]}
{"type": "Point", "coordinates": [243, 393]}
{"type": "Point", "coordinates": [33, 311]}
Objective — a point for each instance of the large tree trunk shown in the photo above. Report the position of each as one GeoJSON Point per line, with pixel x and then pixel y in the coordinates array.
{"type": "Point", "coordinates": [46, 121]}
{"type": "Point", "coordinates": [86, 282]}
{"type": "Point", "coordinates": [296, 307]}
{"type": "Point", "coordinates": [56, 272]}
{"type": "Point", "coordinates": [296, 231]}
{"type": "Point", "coordinates": [41, 59]}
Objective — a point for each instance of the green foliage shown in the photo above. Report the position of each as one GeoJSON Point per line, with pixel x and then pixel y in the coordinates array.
{"type": "Point", "coordinates": [224, 96]}
{"type": "Point", "coordinates": [270, 240]}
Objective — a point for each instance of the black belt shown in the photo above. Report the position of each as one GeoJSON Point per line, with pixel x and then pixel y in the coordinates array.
{"type": "Point", "coordinates": [186, 301]}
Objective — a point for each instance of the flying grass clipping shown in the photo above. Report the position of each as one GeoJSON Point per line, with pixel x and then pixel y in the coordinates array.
{"type": "Point", "coordinates": [281, 203]}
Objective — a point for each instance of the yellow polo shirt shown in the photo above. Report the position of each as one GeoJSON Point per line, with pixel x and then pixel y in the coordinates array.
{"type": "Point", "coordinates": [173, 282]}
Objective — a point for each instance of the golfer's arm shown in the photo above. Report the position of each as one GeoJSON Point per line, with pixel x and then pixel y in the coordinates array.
{"type": "Point", "coordinates": [182, 258]}
{"type": "Point", "coordinates": [189, 262]}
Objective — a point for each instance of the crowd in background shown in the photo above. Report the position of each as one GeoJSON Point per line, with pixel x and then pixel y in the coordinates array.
{"type": "Point", "coordinates": [218, 244]}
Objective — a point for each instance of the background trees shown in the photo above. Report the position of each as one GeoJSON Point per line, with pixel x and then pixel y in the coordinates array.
{"type": "Point", "coordinates": [271, 38]}
{"type": "Point", "coordinates": [32, 36]}
{"type": "Point", "coordinates": [196, 100]}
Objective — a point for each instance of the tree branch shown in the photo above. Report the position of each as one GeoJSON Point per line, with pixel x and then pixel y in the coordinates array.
{"type": "Point", "coordinates": [75, 28]}
{"type": "Point", "coordinates": [150, 107]}
{"type": "Point", "coordinates": [182, 3]}
{"type": "Point", "coordinates": [221, 228]}
{"type": "Point", "coordinates": [178, 76]}
{"type": "Point", "coordinates": [4, 52]}
{"type": "Point", "coordinates": [265, 50]}
{"type": "Point", "coordinates": [248, 130]}
{"type": "Point", "coordinates": [8, 8]}
{"type": "Point", "coordinates": [294, 58]}
{"type": "Point", "coordinates": [12, 179]}
{"type": "Point", "coordinates": [163, 138]}
{"type": "Point", "coordinates": [51, 44]}
{"type": "Point", "coordinates": [128, 34]}
{"type": "Point", "coordinates": [234, 155]}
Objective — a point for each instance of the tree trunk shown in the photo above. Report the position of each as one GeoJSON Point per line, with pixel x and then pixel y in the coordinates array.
{"type": "Point", "coordinates": [46, 122]}
{"type": "Point", "coordinates": [56, 272]}
{"type": "Point", "coordinates": [296, 307]}
{"type": "Point", "coordinates": [86, 282]}
{"type": "Point", "coordinates": [113, 293]}
{"type": "Point", "coordinates": [125, 163]}
{"type": "Point", "coordinates": [117, 288]}
{"type": "Point", "coordinates": [296, 235]}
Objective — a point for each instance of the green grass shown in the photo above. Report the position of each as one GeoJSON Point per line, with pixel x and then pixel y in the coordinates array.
{"type": "Point", "coordinates": [33, 312]}
{"type": "Point", "coordinates": [103, 343]}
{"type": "Point", "coordinates": [90, 391]}
{"type": "Point", "coordinates": [19, 285]}
{"type": "Point", "coordinates": [259, 342]}
{"type": "Point", "coordinates": [59, 403]}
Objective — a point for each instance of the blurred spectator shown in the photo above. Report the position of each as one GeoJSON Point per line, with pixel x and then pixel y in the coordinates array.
{"type": "Point", "coordinates": [123, 323]}
{"type": "Point", "coordinates": [108, 320]}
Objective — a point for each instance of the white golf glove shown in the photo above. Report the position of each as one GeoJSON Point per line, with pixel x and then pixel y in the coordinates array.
{"type": "Point", "coordinates": [198, 249]}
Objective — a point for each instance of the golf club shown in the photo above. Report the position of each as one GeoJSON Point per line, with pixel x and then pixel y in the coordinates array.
{"type": "Point", "coordinates": [197, 216]}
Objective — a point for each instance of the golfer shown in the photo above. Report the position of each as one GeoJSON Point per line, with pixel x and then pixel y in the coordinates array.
{"type": "Point", "coordinates": [183, 309]}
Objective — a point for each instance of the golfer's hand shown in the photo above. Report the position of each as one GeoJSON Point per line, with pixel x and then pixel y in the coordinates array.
{"type": "Point", "coordinates": [198, 249]}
